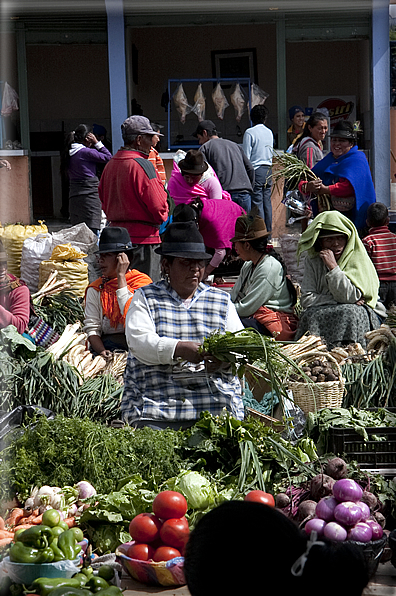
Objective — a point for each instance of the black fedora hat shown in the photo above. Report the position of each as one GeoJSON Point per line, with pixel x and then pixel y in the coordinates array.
{"type": "Point", "coordinates": [183, 239]}
{"type": "Point", "coordinates": [193, 163]}
{"type": "Point", "coordinates": [114, 239]}
{"type": "Point", "coordinates": [344, 130]}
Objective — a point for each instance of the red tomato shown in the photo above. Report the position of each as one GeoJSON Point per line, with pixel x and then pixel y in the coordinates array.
{"type": "Point", "coordinates": [140, 551]}
{"type": "Point", "coordinates": [145, 527]}
{"type": "Point", "coordinates": [166, 553]}
{"type": "Point", "coordinates": [169, 504]}
{"type": "Point", "coordinates": [261, 497]}
{"type": "Point", "coordinates": [175, 532]}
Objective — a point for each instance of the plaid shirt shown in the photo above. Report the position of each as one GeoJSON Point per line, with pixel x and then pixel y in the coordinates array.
{"type": "Point", "coordinates": [180, 391]}
{"type": "Point", "coordinates": [381, 247]}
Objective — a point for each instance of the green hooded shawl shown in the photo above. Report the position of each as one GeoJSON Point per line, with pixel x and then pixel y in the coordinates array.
{"type": "Point", "coordinates": [354, 261]}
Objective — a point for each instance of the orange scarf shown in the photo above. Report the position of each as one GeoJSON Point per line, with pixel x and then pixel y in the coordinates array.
{"type": "Point", "coordinates": [108, 297]}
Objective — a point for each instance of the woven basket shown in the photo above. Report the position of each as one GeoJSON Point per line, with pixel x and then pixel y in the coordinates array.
{"type": "Point", "coordinates": [311, 397]}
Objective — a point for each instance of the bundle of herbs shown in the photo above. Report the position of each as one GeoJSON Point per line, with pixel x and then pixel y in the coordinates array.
{"type": "Point", "coordinates": [59, 309]}
{"type": "Point", "coordinates": [249, 347]}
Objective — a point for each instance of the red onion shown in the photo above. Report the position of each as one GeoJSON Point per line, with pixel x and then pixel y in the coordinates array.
{"type": "Point", "coordinates": [334, 531]}
{"type": "Point", "coordinates": [347, 513]}
{"type": "Point", "coordinates": [315, 525]}
{"type": "Point", "coordinates": [325, 508]}
{"type": "Point", "coordinates": [376, 529]}
{"type": "Point", "coordinates": [365, 510]}
{"type": "Point", "coordinates": [347, 490]}
{"type": "Point", "coordinates": [361, 532]}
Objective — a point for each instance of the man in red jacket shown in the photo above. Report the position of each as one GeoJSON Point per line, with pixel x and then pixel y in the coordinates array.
{"type": "Point", "coordinates": [133, 195]}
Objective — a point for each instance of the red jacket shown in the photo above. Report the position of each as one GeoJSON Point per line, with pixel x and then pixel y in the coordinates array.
{"type": "Point", "coordinates": [133, 196]}
{"type": "Point", "coordinates": [15, 308]}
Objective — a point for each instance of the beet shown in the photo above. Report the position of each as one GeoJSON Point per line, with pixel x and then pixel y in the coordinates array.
{"type": "Point", "coordinates": [306, 509]}
{"type": "Point", "coordinates": [282, 500]}
{"type": "Point", "coordinates": [336, 468]}
{"type": "Point", "coordinates": [370, 499]}
{"type": "Point", "coordinates": [321, 486]}
{"type": "Point", "coordinates": [380, 519]}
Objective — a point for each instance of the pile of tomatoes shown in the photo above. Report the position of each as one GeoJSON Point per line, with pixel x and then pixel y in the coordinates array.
{"type": "Point", "coordinates": [163, 534]}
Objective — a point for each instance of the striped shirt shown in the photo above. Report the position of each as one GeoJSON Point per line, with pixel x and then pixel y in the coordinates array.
{"type": "Point", "coordinates": [381, 247]}
{"type": "Point", "coordinates": [157, 162]}
{"type": "Point", "coordinates": [158, 387]}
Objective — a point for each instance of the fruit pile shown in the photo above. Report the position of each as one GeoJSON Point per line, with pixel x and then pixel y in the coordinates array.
{"type": "Point", "coordinates": [163, 534]}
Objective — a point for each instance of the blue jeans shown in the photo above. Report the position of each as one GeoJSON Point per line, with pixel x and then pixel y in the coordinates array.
{"type": "Point", "coordinates": [261, 196]}
{"type": "Point", "coordinates": [242, 198]}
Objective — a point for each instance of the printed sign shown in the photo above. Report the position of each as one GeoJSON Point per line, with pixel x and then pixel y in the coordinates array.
{"type": "Point", "coordinates": [342, 107]}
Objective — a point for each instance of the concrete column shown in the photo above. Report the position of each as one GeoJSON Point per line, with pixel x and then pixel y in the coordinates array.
{"type": "Point", "coordinates": [281, 81]}
{"type": "Point", "coordinates": [380, 158]}
{"type": "Point", "coordinates": [22, 84]}
{"type": "Point", "coordinates": [117, 68]}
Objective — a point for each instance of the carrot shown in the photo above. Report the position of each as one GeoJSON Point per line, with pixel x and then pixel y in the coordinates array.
{"type": "Point", "coordinates": [30, 513]}
{"type": "Point", "coordinates": [23, 527]}
{"type": "Point", "coordinates": [5, 541]}
{"type": "Point", "coordinates": [6, 534]}
{"type": "Point", "coordinates": [29, 520]}
{"type": "Point", "coordinates": [2, 523]}
{"type": "Point", "coordinates": [14, 517]}
{"type": "Point", "coordinates": [70, 521]}
{"type": "Point", "coordinates": [36, 521]}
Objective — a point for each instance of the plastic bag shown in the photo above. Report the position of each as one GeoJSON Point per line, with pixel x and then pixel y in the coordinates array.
{"type": "Point", "coordinates": [22, 573]}
{"type": "Point", "coordinates": [199, 105]}
{"type": "Point", "coordinates": [258, 96]}
{"type": "Point", "coordinates": [9, 102]}
{"type": "Point", "coordinates": [65, 252]}
{"type": "Point", "coordinates": [295, 429]}
{"type": "Point", "coordinates": [75, 273]}
{"type": "Point", "coordinates": [13, 237]}
{"type": "Point", "coordinates": [34, 250]}
{"type": "Point", "coordinates": [181, 102]}
{"type": "Point", "coordinates": [79, 236]}
{"type": "Point", "coordinates": [220, 101]}
{"type": "Point", "coordinates": [238, 100]}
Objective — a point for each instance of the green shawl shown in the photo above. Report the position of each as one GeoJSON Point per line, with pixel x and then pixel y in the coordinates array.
{"type": "Point", "coordinates": [354, 261]}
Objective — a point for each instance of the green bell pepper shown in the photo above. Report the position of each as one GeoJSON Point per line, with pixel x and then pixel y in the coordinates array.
{"type": "Point", "coordinates": [96, 583]}
{"type": "Point", "coordinates": [58, 554]}
{"type": "Point", "coordinates": [45, 585]}
{"type": "Point", "coordinates": [110, 591]}
{"type": "Point", "coordinates": [45, 555]}
{"type": "Point", "coordinates": [36, 536]}
{"type": "Point", "coordinates": [65, 591]}
{"type": "Point", "coordinates": [19, 553]}
{"type": "Point", "coordinates": [67, 544]}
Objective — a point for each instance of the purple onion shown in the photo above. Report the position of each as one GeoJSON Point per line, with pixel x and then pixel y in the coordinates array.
{"type": "Point", "coordinates": [347, 513]}
{"type": "Point", "coordinates": [376, 529]}
{"type": "Point", "coordinates": [315, 525]}
{"type": "Point", "coordinates": [361, 532]}
{"type": "Point", "coordinates": [347, 489]}
{"type": "Point", "coordinates": [365, 510]}
{"type": "Point", "coordinates": [334, 531]}
{"type": "Point", "coordinates": [325, 508]}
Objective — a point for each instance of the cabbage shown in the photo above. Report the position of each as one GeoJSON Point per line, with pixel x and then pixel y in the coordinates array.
{"type": "Point", "coordinates": [197, 489]}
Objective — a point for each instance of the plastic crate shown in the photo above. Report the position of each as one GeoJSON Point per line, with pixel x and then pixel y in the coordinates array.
{"type": "Point", "coordinates": [368, 454]}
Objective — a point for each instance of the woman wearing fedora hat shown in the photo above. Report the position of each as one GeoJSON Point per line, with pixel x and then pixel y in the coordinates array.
{"type": "Point", "coordinates": [263, 296]}
{"type": "Point", "coordinates": [166, 382]}
{"type": "Point", "coordinates": [14, 298]}
{"type": "Point", "coordinates": [104, 319]}
{"type": "Point", "coordinates": [339, 290]}
{"type": "Point", "coordinates": [193, 177]}
{"type": "Point", "coordinates": [345, 175]}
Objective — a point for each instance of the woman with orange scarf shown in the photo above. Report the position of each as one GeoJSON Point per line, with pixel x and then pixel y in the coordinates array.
{"type": "Point", "coordinates": [104, 321]}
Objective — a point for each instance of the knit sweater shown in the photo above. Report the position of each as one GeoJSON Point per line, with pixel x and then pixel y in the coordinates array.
{"type": "Point", "coordinates": [15, 308]}
{"type": "Point", "coordinates": [322, 287]}
{"type": "Point", "coordinates": [258, 142]}
{"type": "Point", "coordinates": [231, 165]}
{"type": "Point", "coordinates": [133, 197]}
{"type": "Point", "coordinates": [263, 285]}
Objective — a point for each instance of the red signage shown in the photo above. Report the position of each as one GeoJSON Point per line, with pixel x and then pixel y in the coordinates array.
{"type": "Point", "coordinates": [338, 109]}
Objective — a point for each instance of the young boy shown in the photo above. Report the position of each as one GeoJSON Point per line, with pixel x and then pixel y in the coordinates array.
{"type": "Point", "coordinates": [381, 247]}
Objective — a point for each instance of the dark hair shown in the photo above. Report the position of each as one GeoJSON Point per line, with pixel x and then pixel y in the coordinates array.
{"type": "Point", "coordinates": [377, 214]}
{"type": "Point", "coordinates": [75, 136]}
{"type": "Point", "coordinates": [268, 544]}
{"type": "Point", "coordinates": [258, 114]}
{"type": "Point", "coordinates": [260, 244]}
{"type": "Point", "coordinates": [312, 121]}
{"type": "Point", "coordinates": [155, 126]}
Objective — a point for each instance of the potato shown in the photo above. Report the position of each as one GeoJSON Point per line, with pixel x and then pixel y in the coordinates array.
{"type": "Point", "coordinates": [321, 378]}
{"type": "Point", "coordinates": [317, 370]}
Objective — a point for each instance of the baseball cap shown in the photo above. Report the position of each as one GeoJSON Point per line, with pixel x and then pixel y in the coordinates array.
{"type": "Point", "coordinates": [138, 125]}
{"type": "Point", "coordinates": [205, 125]}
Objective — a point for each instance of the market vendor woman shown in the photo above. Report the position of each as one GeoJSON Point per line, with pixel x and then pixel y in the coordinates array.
{"type": "Point", "coordinates": [168, 382]}
{"type": "Point", "coordinates": [104, 321]}
{"type": "Point", "coordinates": [14, 298]}
{"type": "Point", "coordinates": [339, 290]}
